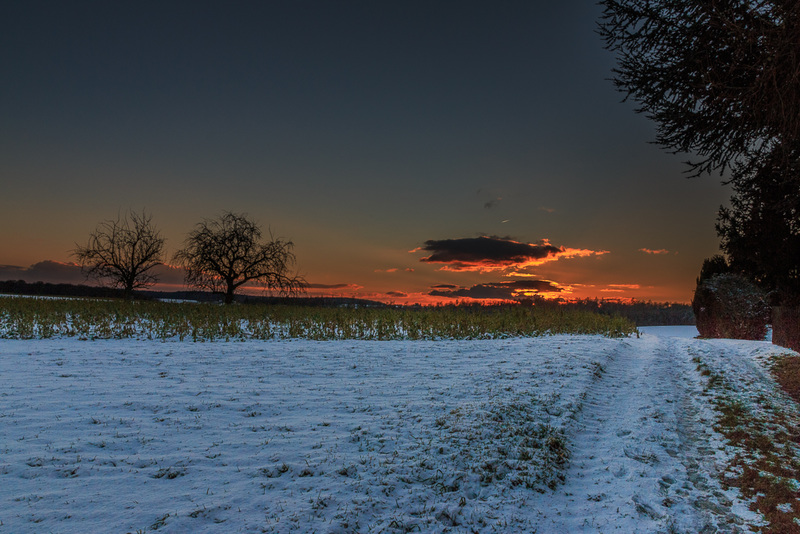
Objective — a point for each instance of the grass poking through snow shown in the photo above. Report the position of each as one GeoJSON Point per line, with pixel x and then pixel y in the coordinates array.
{"type": "Point", "coordinates": [25, 318]}
{"type": "Point", "coordinates": [764, 436]}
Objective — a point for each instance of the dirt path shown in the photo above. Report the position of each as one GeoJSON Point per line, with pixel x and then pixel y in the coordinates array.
{"type": "Point", "coordinates": [643, 454]}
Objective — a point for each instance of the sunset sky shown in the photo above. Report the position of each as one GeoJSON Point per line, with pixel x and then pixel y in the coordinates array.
{"type": "Point", "coordinates": [411, 150]}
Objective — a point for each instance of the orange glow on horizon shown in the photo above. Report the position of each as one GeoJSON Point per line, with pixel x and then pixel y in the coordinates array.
{"type": "Point", "coordinates": [399, 285]}
{"type": "Point", "coordinates": [568, 293]}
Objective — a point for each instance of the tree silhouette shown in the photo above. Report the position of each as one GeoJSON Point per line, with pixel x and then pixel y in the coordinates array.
{"type": "Point", "coordinates": [713, 266]}
{"type": "Point", "coordinates": [721, 80]}
{"type": "Point", "coordinates": [123, 252]}
{"type": "Point", "coordinates": [760, 233]}
{"type": "Point", "coordinates": [222, 254]}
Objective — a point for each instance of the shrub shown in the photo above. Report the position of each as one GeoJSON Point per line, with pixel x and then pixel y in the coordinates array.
{"type": "Point", "coordinates": [728, 305]}
{"type": "Point", "coordinates": [786, 328]}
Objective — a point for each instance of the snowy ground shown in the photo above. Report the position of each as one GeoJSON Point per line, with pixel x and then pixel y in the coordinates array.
{"type": "Point", "coordinates": [412, 436]}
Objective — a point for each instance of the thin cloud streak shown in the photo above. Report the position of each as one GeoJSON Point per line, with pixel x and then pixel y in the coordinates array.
{"type": "Point", "coordinates": [334, 286]}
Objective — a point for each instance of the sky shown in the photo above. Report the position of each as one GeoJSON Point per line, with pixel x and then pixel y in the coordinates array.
{"type": "Point", "coordinates": [412, 151]}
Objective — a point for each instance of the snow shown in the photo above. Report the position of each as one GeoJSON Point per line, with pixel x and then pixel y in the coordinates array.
{"type": "Point", "coordinates": [549, 435]}
{"type": "Point", "coordinates": [687, 332]}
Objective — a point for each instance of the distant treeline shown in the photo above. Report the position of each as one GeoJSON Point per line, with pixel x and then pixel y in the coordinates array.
{"type": "Point", "coordinates": [646, 313]}
{"type": "Point", "coordinates": [44, 289]}
{"type": "Point", "coordinates": [640, 313]}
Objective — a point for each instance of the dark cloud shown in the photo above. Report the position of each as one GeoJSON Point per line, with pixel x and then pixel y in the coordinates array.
{"type": "Point", "coordinates": [491, 203]}
{"type": "Point", "coordinates": [445, 286]}
{"type": "Point", "coordinates": [170, 275]}
{"type": "Point", "coordinates": [53, 272]}
{"type": "Point", "coordinates": [398, 294]}
{"type": "Point", "coordinates": [485, 252]}
{"type": "Point", "coordinates": [10, 272]}
{"type": "Point", "coordinates": [499, 290]}
{"type": "Point", "coordinates": [493, 253]}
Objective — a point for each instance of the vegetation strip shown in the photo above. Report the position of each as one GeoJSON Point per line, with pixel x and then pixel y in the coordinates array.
{"type": "Point", "coordinates": [765, 465]}
{"type": "Point", "coordinates": [109, 319]}
{"type": "Point", "coordinates": [787, 372]}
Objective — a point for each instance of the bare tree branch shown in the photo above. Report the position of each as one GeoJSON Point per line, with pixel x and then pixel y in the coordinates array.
{"type": "Point", "coordinates": [123, 252]}
{"type": "Point", "coordinates": [221, 255]}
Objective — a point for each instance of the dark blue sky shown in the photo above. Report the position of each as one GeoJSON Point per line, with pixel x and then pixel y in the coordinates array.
{"type": "Point", "coordinates": [360, 130]}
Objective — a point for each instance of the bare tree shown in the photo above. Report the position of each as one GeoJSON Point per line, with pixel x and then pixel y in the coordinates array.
{"type": "Point", "coordinates": [223, 254]}
{"type": "Point", "coordinates": [123, 252]}
{"type": "Point", "coordinates": [721, 80]}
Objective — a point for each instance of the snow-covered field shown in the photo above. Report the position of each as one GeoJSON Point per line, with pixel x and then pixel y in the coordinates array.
{"type": "Point", "coordinates": [549, 435]}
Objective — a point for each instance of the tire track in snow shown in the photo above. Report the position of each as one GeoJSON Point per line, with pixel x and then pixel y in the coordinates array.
{"type": "Point", "coordinates": [701, 452]}
{"type": "Point", "coordinates": [641, 453]}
